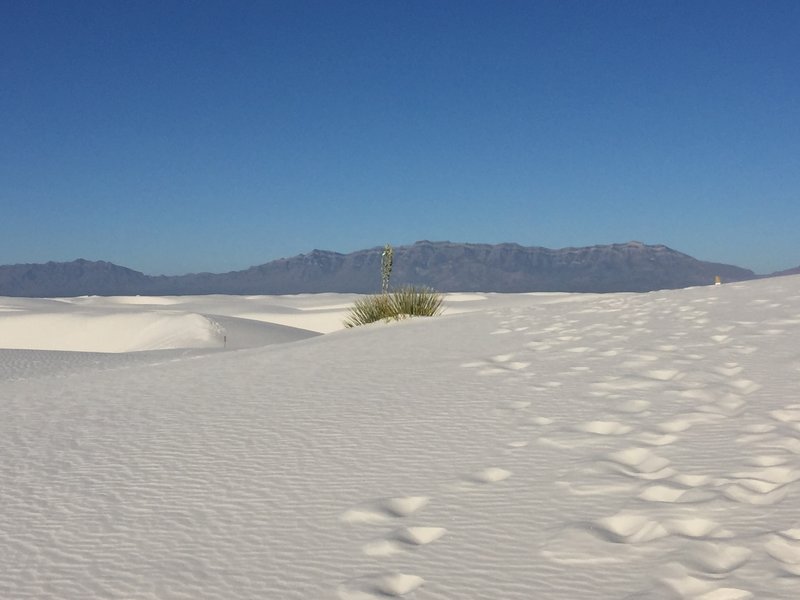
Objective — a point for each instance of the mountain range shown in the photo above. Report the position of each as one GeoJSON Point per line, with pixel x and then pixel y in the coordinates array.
{"type": "Point", "coordinates": [445, 266]}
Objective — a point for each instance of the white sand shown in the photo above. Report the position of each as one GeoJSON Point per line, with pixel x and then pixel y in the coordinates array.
{"type": "Point", "coordinates": [521, 446]}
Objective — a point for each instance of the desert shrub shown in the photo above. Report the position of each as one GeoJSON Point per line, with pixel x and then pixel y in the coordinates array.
{"type": "Point", "coordinates": [417, 301]}
{"type": "Point", "coordinates": [370, 309]}
{"type": "Point", "coordinates": [408, 301]}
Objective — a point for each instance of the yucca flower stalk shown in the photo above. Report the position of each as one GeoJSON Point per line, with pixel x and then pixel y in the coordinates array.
{"type": "Point", "coordinates": [387, 258]}
{"type": "Point", "coordinates": [408, 301]}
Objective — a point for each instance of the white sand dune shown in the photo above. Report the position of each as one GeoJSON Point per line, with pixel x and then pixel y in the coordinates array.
{"type": "Point", "coordinates": [521, 446]}
{"type": "Point", "coordinates": [135, 323]}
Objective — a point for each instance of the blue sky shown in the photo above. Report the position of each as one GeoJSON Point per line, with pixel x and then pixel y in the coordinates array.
{"type": "Point", "coordinates": [175, 137]}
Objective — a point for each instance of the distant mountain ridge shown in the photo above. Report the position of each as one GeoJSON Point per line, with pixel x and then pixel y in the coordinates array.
{"type": "Point", "coordinates": [795, 271]}
{"type": "Point", "coordinates": [446, 266]}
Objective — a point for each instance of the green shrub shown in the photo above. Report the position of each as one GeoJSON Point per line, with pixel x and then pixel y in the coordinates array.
{"type": "Point", "coordinates": [408, 301]}
{"type": "Point", "coordinates": [417, 301]}
{"type": "Point", "coordinates": [370, 309]}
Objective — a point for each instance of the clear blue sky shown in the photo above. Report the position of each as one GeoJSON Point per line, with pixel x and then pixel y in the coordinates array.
{"type": "Point", "coordinates": [175, 137]}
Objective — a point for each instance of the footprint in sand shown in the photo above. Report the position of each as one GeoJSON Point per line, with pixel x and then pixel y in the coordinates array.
{"type": "Point", "coordinates": [663, 374]}
{"type": "Point", "coordinates": [604, 428]}
{"type": "Point", "coordinates": [632, 528]}
{"type": "Point", "coordinates": [684, 585]}
{"type": "Point", "coordinates": [697, 528]}
{"type": "Point", "coordinates": [640, 463]}
{"type": "Point", "coordinates": [716, 559]}
{"type": "Point", "coordinates": [637, 463]}
{"type": "Point", "coordinates": [539, 421]}
{"type": "Point", "coordinates": [632, 406]}
{"type": "Point", "coordinates": [384, 510]}
{"type": "Point", "coordinates": [499, 363]}
{"type": "Point", "coordinates": [518, 444]}
{"type": "Point", "coordinates": [652, 438]}
{"type": "Point", "coordinates": [403, 540]}
{"type": "Point", "coordinates": [744, 386]}
{"type": "Point", "coordinates": [766, 486]}
{"type": "Point", "coordinates": [613, 384]}
{"type": "Point", "coordinates": [730, 369]}
{"type": "Point", "coordinates": [686, 421]}
{"type": "Point", "coordinates": [392, 584]}
{"type": "Point", "coordinates": [757, 433]}
{"type": "Point", "coordinates": [767, 460]}
{"type": "Point", "coordinates": [784, 547]}
{"type": "Point", "coordinates": [789, 416]}
{"type": "Point", "coordinates": [380, 512]}
{"type": "Point", "coordinates": [489, 475]}
{"type": "Point", "coordinates": [628, 528]}
{"type": "Point", "coordinates": [679, 495]}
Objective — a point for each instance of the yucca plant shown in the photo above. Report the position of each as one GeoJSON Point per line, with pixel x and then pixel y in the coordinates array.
{"type": "Point", "coordinates": [408, 301]}
{"type": "Point", "coordinates": [417, 301]}
{"type": "Point", "coordinates": [370, 309]}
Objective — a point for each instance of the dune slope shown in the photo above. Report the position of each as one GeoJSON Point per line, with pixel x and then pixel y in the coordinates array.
{"type": "Point", "coordinates": [547, 446]}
